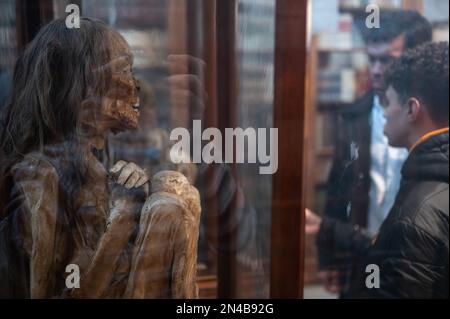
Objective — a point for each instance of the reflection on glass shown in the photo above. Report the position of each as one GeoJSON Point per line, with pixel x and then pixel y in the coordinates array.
{"type": "Point", "coordinates": [357, 174]}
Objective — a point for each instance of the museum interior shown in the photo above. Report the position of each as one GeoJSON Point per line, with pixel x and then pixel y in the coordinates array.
{"type": "Point", "coordinates": [204, 67]}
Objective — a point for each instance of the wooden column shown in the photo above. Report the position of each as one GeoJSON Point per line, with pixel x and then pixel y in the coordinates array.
{"type": "Point", "coordinates": [287, 252]}
{"type": "Point", "coordinates": [227, 91]}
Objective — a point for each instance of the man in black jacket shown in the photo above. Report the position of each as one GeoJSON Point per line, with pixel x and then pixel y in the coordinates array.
{"type": "Point", "coordinates": [366, 172]}
{"type": "Point", "coordinates": [410, 256]}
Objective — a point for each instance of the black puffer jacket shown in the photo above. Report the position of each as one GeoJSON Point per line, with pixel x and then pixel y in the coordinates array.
{"type": "Point", "coordinates": [412, 249]}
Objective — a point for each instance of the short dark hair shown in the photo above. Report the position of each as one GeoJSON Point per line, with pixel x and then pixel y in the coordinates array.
{"type": "Point", "coordinates": [416, 29]}
{"type": "Point", "coordinates": [422, 73]}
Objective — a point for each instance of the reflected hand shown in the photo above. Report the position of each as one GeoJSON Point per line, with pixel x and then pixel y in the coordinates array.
{"type": "Point", "coordinates": [312, 222]}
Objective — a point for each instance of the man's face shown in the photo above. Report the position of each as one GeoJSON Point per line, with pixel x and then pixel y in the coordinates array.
{"type": "Point", "coordinates": [396, 114]}
{"type": "Point", "coordinates": [380, 55]}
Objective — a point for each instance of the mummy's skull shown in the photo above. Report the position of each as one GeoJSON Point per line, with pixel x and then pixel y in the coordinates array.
{"type": "Point", "coordinates": [121, 101]}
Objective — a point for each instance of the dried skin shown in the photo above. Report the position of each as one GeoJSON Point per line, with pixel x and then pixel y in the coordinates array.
{"type": "Point", "coordinates": [169, 246]}
{"type": "Point", "coordinates": [160, 263]}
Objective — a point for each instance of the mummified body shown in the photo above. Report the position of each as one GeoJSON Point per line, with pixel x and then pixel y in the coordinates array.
{"type": "Point", "coordinates": [60, 205]}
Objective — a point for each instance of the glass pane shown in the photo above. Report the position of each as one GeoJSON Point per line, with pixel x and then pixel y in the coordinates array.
{"type": "Point", "coordinates": [356, 173]}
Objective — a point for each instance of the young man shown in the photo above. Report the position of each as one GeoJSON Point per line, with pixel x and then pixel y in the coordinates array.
{"type": "Point", "coordinates": [366, 171]}
{"type": "Point", "coordinates": [412, 248]}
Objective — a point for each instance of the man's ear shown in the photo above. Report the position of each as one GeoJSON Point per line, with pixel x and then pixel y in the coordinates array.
{"type": "Point", "coordinates": [414, 107]}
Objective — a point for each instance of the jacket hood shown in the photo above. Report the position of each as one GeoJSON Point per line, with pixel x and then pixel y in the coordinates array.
{"type": "Point", "coordinates": [429, 160]}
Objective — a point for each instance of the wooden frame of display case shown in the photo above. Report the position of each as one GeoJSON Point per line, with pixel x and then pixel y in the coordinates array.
{"type": "Point", "coordinates": [31, 15]}
{"type": "Point", "coordinates": [287, 249]}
